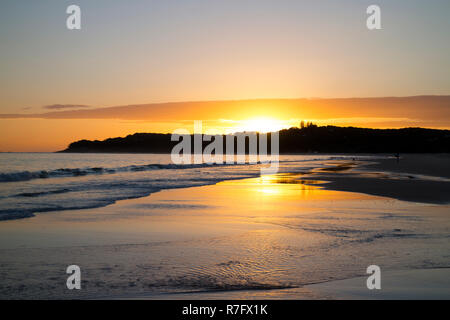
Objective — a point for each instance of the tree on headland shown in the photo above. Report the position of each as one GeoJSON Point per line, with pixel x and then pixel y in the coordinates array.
{"type": "Point", "coordinates": [309, 124]}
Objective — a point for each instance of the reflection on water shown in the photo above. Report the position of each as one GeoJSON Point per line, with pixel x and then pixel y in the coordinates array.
{"type": "Point", "coordinates": [247, 236]}
{"type": "Point", "coordinates": [279, 184]}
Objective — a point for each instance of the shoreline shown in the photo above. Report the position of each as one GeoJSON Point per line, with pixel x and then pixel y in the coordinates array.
{"type": "Point", "coordinates": [404, 180]}
{"type": "Point", "coordinates": [423, 179]}
{"type": "Point", "coordinates": [409, 284]}
{"type": "Point", "coordinates": [413, 284]}
{"type": "Point", "coordinates": [224, 241]}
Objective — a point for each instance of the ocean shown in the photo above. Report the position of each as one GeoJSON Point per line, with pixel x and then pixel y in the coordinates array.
{"type": "Point", "coordinates": [41, 182]}
{"type": "Point", "coordinates": [140, 227]}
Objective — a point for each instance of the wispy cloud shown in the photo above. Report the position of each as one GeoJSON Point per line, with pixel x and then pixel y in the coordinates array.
{"type": "Point", "coordinates": [424, 111]}
{"type": "Point", "coordinates": [65, 106]}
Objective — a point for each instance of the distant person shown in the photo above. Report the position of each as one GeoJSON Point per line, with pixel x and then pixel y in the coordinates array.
{"type": "Point", "coordinates": [397, 156]}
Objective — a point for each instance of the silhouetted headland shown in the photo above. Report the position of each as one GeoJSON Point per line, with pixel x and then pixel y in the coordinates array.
{"type": "Point", "coordinates": [312, 138]}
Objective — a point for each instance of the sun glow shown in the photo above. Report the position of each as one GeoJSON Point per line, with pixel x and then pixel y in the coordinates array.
{"type": "Point", "coordinates": [262, 125]}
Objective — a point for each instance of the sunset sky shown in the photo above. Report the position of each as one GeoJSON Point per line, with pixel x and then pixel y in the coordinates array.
{"type": "Point", "coordinates": [258, 54]}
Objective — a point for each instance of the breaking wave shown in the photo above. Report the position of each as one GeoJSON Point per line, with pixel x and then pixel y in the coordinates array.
{"type": "Point", "coordinates": [75, 172]}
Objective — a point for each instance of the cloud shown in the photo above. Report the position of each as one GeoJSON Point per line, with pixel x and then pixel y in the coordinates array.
{"type": "Point", "coordinates": [65, 106]}
{"type": "Point", "coordinates": [429, 111]}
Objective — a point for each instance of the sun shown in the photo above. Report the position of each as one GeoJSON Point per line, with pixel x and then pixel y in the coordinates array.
{"type": "Point", "coordinates": [262, 125]}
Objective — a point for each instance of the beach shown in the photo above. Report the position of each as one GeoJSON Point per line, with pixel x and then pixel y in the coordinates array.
{"type": "Point", "coordinates": [308, 232]}
{"type": "Point", "coordinates": [225, 153]}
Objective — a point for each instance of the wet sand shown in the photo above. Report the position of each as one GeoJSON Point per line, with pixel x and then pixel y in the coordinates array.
{"type": "Point", "coordinates": [430, 284]}
{"type": "Point", "coordinates": [414, 177]}
{"type": "Point", "coordinates": [421, 284]}
{"type": "Point", "coordinates": [437, 165]}
{"type": "Point", "coordinates": [271, 237]}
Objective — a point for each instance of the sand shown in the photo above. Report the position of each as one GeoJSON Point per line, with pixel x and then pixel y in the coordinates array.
{"type": "Point", "coordinates": [415, 177]}
{"type": "Point", "coordinates": [395, 285]}
{"type": "Point", "coordinates": [418, 284]}
{"type": "Point", "coordinates": [285, 236]}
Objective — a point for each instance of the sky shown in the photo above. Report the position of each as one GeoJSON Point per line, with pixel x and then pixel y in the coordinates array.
{"type": "Point", "coordinates": [141, 52]}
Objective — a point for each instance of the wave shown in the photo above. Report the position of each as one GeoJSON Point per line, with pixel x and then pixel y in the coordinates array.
{"type": "Point", "coordinates": [42, 193]}
{"type": "Point", "coordinates": [76, 172]}
{"type": "Point", "coordinates": [12, 214]}
{"type": "Point", "coordinates": [23, 200]}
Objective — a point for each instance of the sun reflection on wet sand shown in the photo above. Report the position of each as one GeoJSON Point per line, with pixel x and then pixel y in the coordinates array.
{"type": "Point", "coordinates": [276, 232]}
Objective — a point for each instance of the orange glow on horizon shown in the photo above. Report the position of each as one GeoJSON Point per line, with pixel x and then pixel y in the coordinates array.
{"type": "Point", "coordinates": [261, 124]}
{"type": "Point", "coordinates": [56, 130]}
